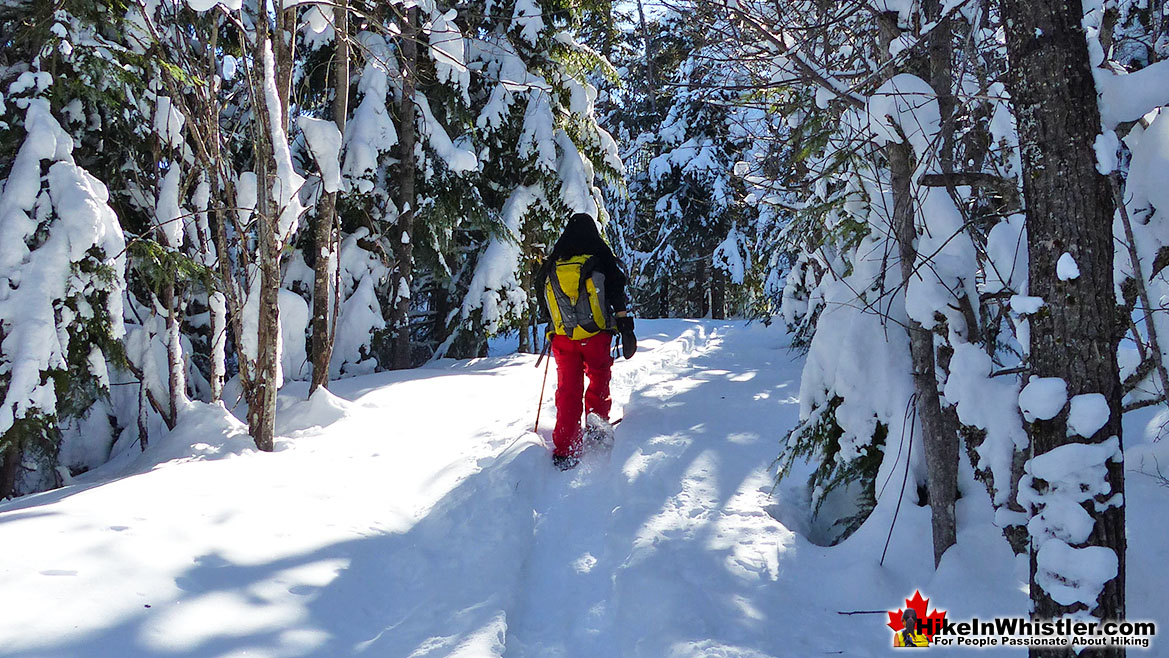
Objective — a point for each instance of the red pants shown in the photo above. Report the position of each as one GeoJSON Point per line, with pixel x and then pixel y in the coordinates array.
{"type": "Point", "coordinates": [574, 360]}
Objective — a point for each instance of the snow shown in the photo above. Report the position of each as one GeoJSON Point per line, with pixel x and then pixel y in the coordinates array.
{"type": "Point", "coordinates": [1072, 475]}
{"type": "Point", "coordinates": [1089, 412]}
{"type": "Point", "coordinates": [903, 8]}
{"type": "Point", "coordinates": [504, 64]}
{"type": "Point", "coordinates": [320, 27]}
{"type": "Point", "coordinates": [206, 5]}
{"type": "Point", "coordinates": [324, 140]}
{"type": "Point", "coordinates": [931, 291]}
{"type": "Point", "coordinates": [537, 136]}
{"type": "Point", "coordinates": [729, 256]}
{"type": "Point", "coordinates": [229, 67]}
{"type": "Point", "coordinates": [1130, 96]}
{"type": "Point", "coordinates": [361, 312]}
{"type": "Point", "coordinates": [217, 304]}
{"type": "Point", "coordinates": [246, 195]}
{"type": "Point", "coordinates": [1106, 146]}
{"type": "Point", "coordinates": [460, 160]}
{"type": "Point", "coordinates": [34, 284]}
{"type": "Point", "coordinates": [495, 288]}
{"type": "Point", "coordinates": [1066, 268]}
{"type": "Point", "coordinates": [990, 404]}
{"type": "Point", "coordinates": [320, 410]}
{"type": "Point", "coordinates": [168, 122]}
{"type": "Point", "coordinates": [294, 320]}
{"type": "Point", "coordinates": [1043, 398]}
{"type": "Point", "coordinates": [1025, 305]}
{"type": "Point", "coordinates": [576, 178]}
{"type": "Point", "coordinates": [446, 47]}
{"type": "Point", "coordinates": [286, 184]}
{"type": "Point", "coordinates": [849, 357]}
{"type": "Point", "coordinates": [528, 17]}
{"type": "Point", "coordinates": [35, 80]}
{"type": "Point", "coordinates": [169, 215]}
{"type": "Point", "coordinates": [1069, 461]}
{"type": "Point", "coordinates": [385, 525]}
{"type": "Point", "coordinates": [370, 131]}
{"type": "Point", "coordinates": [1092, 565]}
{"type": "Point", "coordinates": [250, 322]}
{"type": "Point", "coordinates": [904, 104]}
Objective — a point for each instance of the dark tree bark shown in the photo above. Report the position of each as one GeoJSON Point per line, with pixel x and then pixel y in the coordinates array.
{"type": "Point", "coordinates": [1069, 210]}
{"type": "Point", "coordinates": [324, 237]}
{"type": "Point", "coordinates": [664, 298]}
{"type": "Point", "coordinates": [651, 82]}
{"type": "Point", "coordinates": [407, 137]}
{"type": "Point", "coordinates": [718, 293]}
{"type": "Point", "coordinates": [9, 466]}
{"type": "Point", "coordinates": [700, 292]}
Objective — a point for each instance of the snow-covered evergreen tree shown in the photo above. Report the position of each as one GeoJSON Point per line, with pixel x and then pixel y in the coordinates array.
{"type": "Point", "coordinates": [61, 281]}
{"type": "Point", "coordinates": [684, 221]}
{"type": "Point", "coordinates": [541, 149]}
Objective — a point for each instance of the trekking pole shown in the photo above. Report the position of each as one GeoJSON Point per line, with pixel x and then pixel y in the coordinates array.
{"type": "Point", "coordinates": [540, 406]}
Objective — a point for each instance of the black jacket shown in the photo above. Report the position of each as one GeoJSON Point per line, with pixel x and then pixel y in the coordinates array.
{"type": "Point", "coordinates": [581, 237]}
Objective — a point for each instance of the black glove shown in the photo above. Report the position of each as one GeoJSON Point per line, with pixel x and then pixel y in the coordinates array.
{"type": "Point", "coordinates": [628, 340]}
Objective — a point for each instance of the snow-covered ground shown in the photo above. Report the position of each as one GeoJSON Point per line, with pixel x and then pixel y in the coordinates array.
{"type": "Point", "coordinates": [416, 515]}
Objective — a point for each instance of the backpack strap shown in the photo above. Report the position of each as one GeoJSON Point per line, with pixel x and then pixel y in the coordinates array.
{"type": "Point", "coordinates": [563, 303]}
{"type": "Point", "coordinates": [584, 308]}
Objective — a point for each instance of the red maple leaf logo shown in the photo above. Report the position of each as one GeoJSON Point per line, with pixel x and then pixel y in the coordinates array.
{"type": "Point", "coordinates": [929, 623]}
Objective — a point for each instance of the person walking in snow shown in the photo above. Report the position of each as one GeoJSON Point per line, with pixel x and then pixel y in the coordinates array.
{"type": "Point", "coordinates": [582, 294]}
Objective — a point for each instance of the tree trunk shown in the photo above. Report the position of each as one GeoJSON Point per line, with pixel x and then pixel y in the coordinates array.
{"type": "Point", "coordinates": [9, 466]}
{"type": "Point", "coordinates": [262, 400]}
{"type": "Point", "coordinates": [143, 416]}
{"type": "Point", "coordinates": [939, 439]}
{"type": "Point", "coordinates": [404, 247]}
{"type": "Point", "coordinates": [218, 342]}
{"type": "Point", "coordinates": [718, 294]}
{"type": "Point", "coordinates": [177, 380]}
{"type": "Point", "coordinates": [1074, 336]}
{"type": "Point", "coordinates": [700, 293]}
{"type": "Point", "coordinates": [529, 314]}
{"type": "Point", "coordinates": [651, 83]}
{"type": "Point", "coordinates": [326, 229]}
{"type": "Point", "coordinates": [610, 30]}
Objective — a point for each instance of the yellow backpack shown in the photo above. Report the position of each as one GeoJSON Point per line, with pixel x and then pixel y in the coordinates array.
{"type": "Point", "coordinates": [575, 292]}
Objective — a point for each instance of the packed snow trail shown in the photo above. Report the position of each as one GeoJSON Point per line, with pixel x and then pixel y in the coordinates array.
{"type": "Point", "coordinates": [415, 515]}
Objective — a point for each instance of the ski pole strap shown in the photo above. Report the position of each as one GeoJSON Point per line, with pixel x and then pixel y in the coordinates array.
{"type": "Point", "coordinates": [544, 352]}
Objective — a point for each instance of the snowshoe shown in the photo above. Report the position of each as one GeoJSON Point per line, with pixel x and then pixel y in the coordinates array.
{"type": "Point", "coordinates": [565, 462]}
{"type": "Point", "coordinates": [598, 433]}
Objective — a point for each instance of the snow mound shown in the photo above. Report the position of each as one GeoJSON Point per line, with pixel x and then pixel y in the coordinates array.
{"type": "Point", "coordinates": [203, 432]}
{"type": "Point", "coordinates": [1089, 413]}
{"type": "Point", "coordinates": [1043, 398]}
{"type": "Point", "coordinates": [320, 410]}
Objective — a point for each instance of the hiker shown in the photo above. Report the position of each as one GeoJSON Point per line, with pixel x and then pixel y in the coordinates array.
{"type": "Point", "coordinates": [909, 636]}
{"type": "Point", "coordinates": [581, 288]}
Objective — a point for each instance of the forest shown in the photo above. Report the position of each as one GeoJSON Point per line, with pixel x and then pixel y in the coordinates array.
{"type": "Point", "coordinates": [952, 208]}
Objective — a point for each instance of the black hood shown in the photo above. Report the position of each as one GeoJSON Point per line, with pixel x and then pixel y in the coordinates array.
{"type": "Point", "coordinates": [580, 236]}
